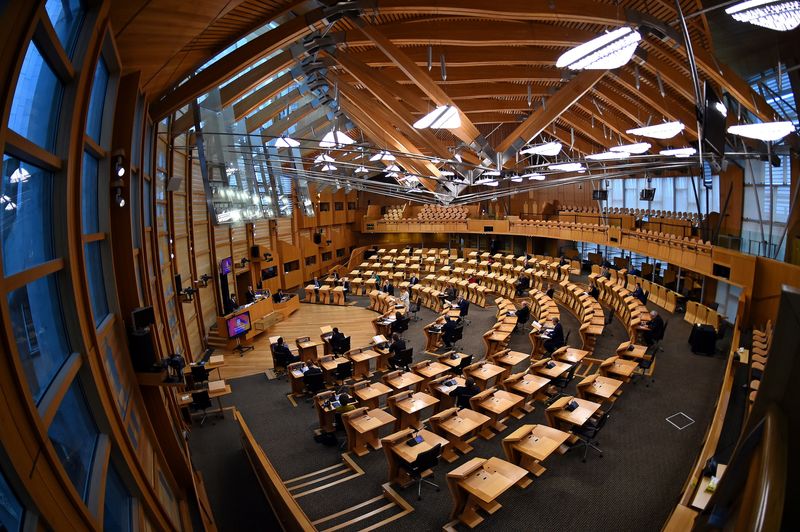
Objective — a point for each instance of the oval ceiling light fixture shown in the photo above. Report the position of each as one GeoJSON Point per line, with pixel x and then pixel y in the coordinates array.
{"type": "Point", "coordinates": [534, 176]}
{"type": "Point", "coordinates": [634, 149]}
{"type": "Point", "coordinates": [286, 142]}
{"type": "Point", "coordinates": [492, 173]}
{"type": "Point", "coordinates": [335, 138]}
{"type": "Point", "coordinates": [778, 15]}
{"type": "Point", "coordinates": [548, 149]}
{"type": "Point", "coordinates": [766, 131]}
{"type": "Point", "coordinates": [328, 168]}
{"type": "Point", "coordinates": [667, 130]}
{"type": "Point", "coordinates": [679, 152]}
{"type": "Point", "coordinates": [382, 155]}
{"type": "Point", "coordinates": [324, 158]}
{"type": "Point", "coordinates": [516, 178]}
{"type": "Point", "coordinates": [608, 156]}
{"type": "Point", "coordinates": [362, 170]}
{"type": "Point", "coordinates": [487, 182]}
{"type": "Point", "coordinates": [608, 51]}
{"type": "Point", "coordinates": [446, 173]}
{"type": "Point", "coordinates": [443, 117]}
{"type": "Point", "coordinates": [567, 167]}
{"type": "Point", "coordinates": [392, 168]}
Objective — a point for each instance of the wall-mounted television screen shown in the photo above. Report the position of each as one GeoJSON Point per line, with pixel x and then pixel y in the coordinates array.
{"type": "Point", "coordinates": [238, 325]}
{"type": "Point", "coordinates": [225, 266]}
{"type": "Point", "coordinates": [647, 194]}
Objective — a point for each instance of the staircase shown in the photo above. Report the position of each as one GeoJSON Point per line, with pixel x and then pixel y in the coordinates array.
{"type": "Point", "coordinates": [216, 340]}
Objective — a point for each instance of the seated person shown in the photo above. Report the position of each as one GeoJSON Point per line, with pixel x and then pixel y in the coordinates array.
{"type": "Point", "coordinates": [655, 329]}
{"type": "Point", "coordinates": [283, 356]}
{"type": "Point", "coordinates": [473, 280]}
{"type": "Point", "coordinates": [523, 283]}
{"type": "Point", "coordinates": [449, 332]}
{"type": "Point", "coordinates": [550, 291]}
{"type": "Point", "coordinates": [464, 393]}
{"type": "Point", "coordinates": [335, 276]}
{"type": "Point", "coordinates": [250, 295]}
{"type": "Point", "coordinates": [346, 403]}
{"type": "Point", "coordinates": [316, 283]}
{"type": "Point", "coordinates": [639, 294]}
{"type": "Point", "coordinates": [398, 345]}
{"type": "Point", "coordinates": [555, 338]}
{"type": "Point", "coordinates": [413, 280]}
{"type": "Point", "coordinates": [388, 288]}
{"type": "Point", "coordinates": [278, 296]}
{"type": "Point", "coordinates": [463, 306]}
{"type": "Point", "coordinates": [337, 341]}
{"type": "Point", "coordinates": [311, 369]}
{"type": "Point", "coordinates": [523, 314]}
{"type": "Point", "coordinates": [563, 261]}
{"type": "Point", "coordinates": [450, 293]}
{"type": "Point", "coordinates": [397, 323]}
{"type": "Point", "coordinates": [231, 304]}
{"type": "Point", "coordinates": [604, 272]}
{"type": "Point", "coordinates": [594, 291]}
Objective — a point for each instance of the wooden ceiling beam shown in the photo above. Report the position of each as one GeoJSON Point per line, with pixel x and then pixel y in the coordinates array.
{"type": "Point", "coordinates": [279, 127]}
{"type": "Point", "coordinates": [460, 56]}
{"type": "Point", "coordinates": [275, 108]}
{"type": "Point", "coordinates": [568, 94]}
{"type": "Point", "coordinates": [241, 85]}
{"type": "Point", "coordinates": [249, 103]}
{"type": "Point", "coordinates": [489, 74]}
{"type": "Point", "coordinates": [236, 61]}
{"type": "Point", "coordinates": [495, 90]}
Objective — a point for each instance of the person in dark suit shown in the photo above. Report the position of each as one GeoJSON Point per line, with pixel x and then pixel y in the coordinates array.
{"type": "Point", "coordinates": [251, 295]}
{"type": "Point", "coordinates": [639, 294]}
{"type": "Point", "coordinates": [397, 346]}
{"type": "Point", "coordinates": [283, 356]}
{"type": "Point", "coordinates": [604, 272]}
{"type": "Point", "coordinates": [563, 261]}
{"type": "Point", "coordinates": [345, 287]}
{"type": "Point", "coordinates": [311, 369]}
{"type": "Point", "coordinates": [594, 291]}
{"type": "Point", "coordinates": [523, 314]}
{"type": "Point", "coordinates": [464, 393]}
{"type": "Point", "coordinates": [550, 291]}
{"type": "Point", "coordinates": [229, 305]}
{"type": "Point", "coordinates": [337, 340]}
{"type": "Point", "coordinates": [655, 329]}
{"type": "Point", "coordinates": [387, 288]}
{"type": "Point", "coordinates": [450, 293]}
{"type": "Point", "coordinates": [449, 332]}
{"type": "Point", "coordinates": [523, 283]}
{"type": "Point", "coordinates": [414, 280]}
{"type": "Point", "coordinates": [555, 338]}
{"type": "Point", "coordinates": [316, 283]}
{"type": "Point", "coordinates": [335, 276]}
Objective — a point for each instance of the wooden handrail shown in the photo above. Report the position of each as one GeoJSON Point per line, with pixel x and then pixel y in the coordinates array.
{"type": "Point", "coordinates": [768, 485]}
{"type": "Point", "coordinates": [289, 514]}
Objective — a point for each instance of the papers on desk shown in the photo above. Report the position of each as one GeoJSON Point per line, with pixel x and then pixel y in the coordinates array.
{"type": "Point", "coordinates": [537, 324]}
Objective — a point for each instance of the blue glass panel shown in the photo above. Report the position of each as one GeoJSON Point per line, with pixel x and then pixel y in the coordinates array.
{"type": "Point", "coordinates": [97, 285]}
{"type": "Point", "coordinates": [89, 186]}
{"type": "Point", "coordinates": [73, 434]}
{"type": "Point", "coordinates": [37, 97]}
{"type": "Point", "coordinates": [35, 312]}
{"type": "Point", "coordinates": [94, 119]}
{"type": "Point", "coordinates": [11, 510]}
{"type": "Point", "coordinates": [66, 17]}
{"type": "Point", "coordinates": [117, 504]}
{"type": "Point", "coordinates": [26, 214]}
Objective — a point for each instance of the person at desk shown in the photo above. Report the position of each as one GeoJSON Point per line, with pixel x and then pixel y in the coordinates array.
{"type": "Point", "coordinates": [345, 287]}
{"type": "Point", "coordinates": [450, 293]}
{"type": "Point", "coordinates": [413, 280]}
{"type": "Point", "coordinates": [231, 304]}
{"type": "Point", "coordinates": [283, 356]}
{"type": "Point", "coordinates": [463, 306]}
{"type": "Point", "coordinates": [449, 332]}
{"type": "Point", "coordinates": [337, 340]}
{"type": "Point", "coordinates": [250, 296]}
{"type": "Point", "coordinates": [655, 329]}
{"type": "Point", "coordinates": [279, 296]}
{"type": "Point", "coordinates": [377, 279]}
{"type": "Point", "coordinates": [398, 345]}
{"type": "Point", "coordinates": [311, 369]}
{"type": "Point", "coordinates": [604, 271]}
{"type": "Point", "coordinates": [473, 280]}
{"type": "Point", "coordinates": [523, 314]}
{"type": "Point", "coordinates": [639, 294]}
{"type": "Point", "coordinates": [335, 276]}
{"type": "Point", "coordinates": [387, 288]}
{"type": "Point", "coordinates": [563, 261]}
{"type": "Point", "coordinates": [346, 403]}
{"type": "Point", "coordinates": [593, 291]}
{"type": "Point", "coordinates": [555, 337]}
{"type": "Point", "coordinates": [523, 283]}
{"type": "Point", "coordinates": [550, 291]}
{"type": "Point", "coordinates": [316, 283]}
{"type": "Point", "coordinates": [404, 298]}
{"type": "Point", "coordinates": [464, 393]}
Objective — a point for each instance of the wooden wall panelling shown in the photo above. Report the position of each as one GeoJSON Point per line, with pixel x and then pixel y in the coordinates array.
{"type": "Point", "coordinates": [731, 189]}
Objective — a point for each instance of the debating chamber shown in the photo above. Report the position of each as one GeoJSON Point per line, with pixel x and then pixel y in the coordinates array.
{"type": "Point", "coordinates": [432, 265]}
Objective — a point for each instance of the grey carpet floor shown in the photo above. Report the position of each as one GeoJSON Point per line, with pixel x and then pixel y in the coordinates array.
{"type": "Point", "coordinates": [634, 486]}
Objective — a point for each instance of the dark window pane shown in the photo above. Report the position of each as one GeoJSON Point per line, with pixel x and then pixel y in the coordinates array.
{"type": "Point", "coordinates": [66, 17]}
{"type": "Point", "coordinates": [97, 285]}
{"type": "Point", "coordinates": [91, 223]}
{"type": "Point", "coordinates": [34, 109]}
{"type": "Point", "coordinates": [11, 510]}
{"type": "Point", "coordinates": [38, 325]}
{"type": "Point", "coordinates": [147, 202]}
{"type": "Point", "coordinates": [74, 435]}
{"type": "Point", "coordinates": [117, 504]}
{"type": "Point", "coordinates": [94, 119]}
{"type": "Point", "coordinates": [26, 215]}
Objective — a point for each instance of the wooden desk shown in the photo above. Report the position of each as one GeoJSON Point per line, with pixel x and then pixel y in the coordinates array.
{"type": "Point", "coordinates": [397, 450]}
{"type": "Point", "coordinates": [370, 394]}
{"type": "Point", "coordinates": [308, 350]}
{"type": "Point", "coordinates": [311, 294]}
{"type": "Point", "coordinates": [636, 353]}
{"type": "Point", "coordinates": [296, 378]}
{"type": "Point", "coordinates": [438, 389]}
{"type": "Point", "coordinates": [325, 413]}
{"type": "Point", "coordinates": [486, 374]}
{"type": "Point", "coordinates": [531, 444]}
{"type": "Point", "coordinates": [477, 484]}
{"type": "Point", "coordinates": [498, 405]}
{"type": "Point", "coordinates": [529, 385]}
{"type": "Point", "coordinates": [338, 296]}
{"type": "Point", "coordinates": [216, 389]}
{"type": "Point", "coordinates": [511, 359]}
{"type": "Point", "coordinates": [453, 362]}
{"type": "Point", "coordinates": [214, 362]}
{"type": "Point", "coordinates": [329, 364]}
{"type": "Point", "coordinates": [430, 369]}
{"type": "Point", "coordinates": [362, 428]}
{"type": "Point", "coordinates": [701, 497]}
{"type": "Point", "coordinates": [458, 426]}
{"type": "Point", "coordinates": [555, 372]}
{"type": "Point", "coordinates": [599, 388]}
{"type": "Point", "coordinates": [404, 380]}
{"type": "Point", "coordinates": [361, 369]}
{"type": "Point", "coordinates": [324, 294]}
{"type": "Point", "coordinates": [618, 367]}
{"type": "Point", "coordinates": [495, 341]}
{"type": "Point", "coordinates": [556, 413]}
{"type": "Point", "coordinates": [572, 355]}
{"type": "Point", "coordinates": [408, 410]}
{"type": "Point", "coordinates": [433, 336]}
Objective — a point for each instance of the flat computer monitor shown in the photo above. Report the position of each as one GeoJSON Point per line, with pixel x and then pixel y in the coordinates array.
{"type": "Point", "coordinates": [225, 266]}
{"type": "Point", "coordinates": [238, 325]}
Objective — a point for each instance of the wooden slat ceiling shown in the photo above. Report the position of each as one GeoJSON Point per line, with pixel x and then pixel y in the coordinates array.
{"type": "Point", "coordinates": [493, 53]}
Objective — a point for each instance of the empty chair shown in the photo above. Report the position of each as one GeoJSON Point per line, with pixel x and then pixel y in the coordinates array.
{"type": "Point", "coordinates": [344, 371]}
{"type": "Point", "coordinates": [450, 339]}
{"type": "Point", "coordinates": [400, 325]}
{"type": "Point", "coordinates": [587, 433]}
{"type": "Point", "coordinates": [645, 365]}
{"type": "Point", "coordinates": [201, 402]}
{"type": "Point", "coordinates": [414, 309]}
{"type": "Point", "coordinates": [563, 381]}
{"type": "Point", "coordinates": [199, 374]}
{"type": "Point", "coordinates": [314, 383]}
{"type": "Point", "coordinates": [466, 361]}
{"type": "Point", "coordinates": [465, 312]}
{"type": "Point", "coordinates": [424, 463]}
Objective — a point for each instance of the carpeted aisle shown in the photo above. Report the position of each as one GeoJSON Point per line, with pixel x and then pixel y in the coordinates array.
{"type": "Point", "coordinates": [633, 487]}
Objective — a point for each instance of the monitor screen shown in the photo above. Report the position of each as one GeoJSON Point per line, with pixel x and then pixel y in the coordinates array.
{"type": "Point", "coordinates": [647, 194]}
{"type": "Point", "coordinates": [238, 325]}
{"type": "Point", "coordinates": [225, 266]}
{"type": "Point", "coordinates": [600, 195]}
{"type": "Point", "coordinates": [714, 121]}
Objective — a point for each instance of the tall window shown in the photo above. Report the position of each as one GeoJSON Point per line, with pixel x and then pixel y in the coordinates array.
{"type": "Point", "coordinates": [11, 511]}
{"type": "Point", "coordinates": [117, 504]}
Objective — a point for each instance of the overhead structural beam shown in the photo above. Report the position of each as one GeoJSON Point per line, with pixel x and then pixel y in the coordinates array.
{"type": "Point", "coordinates": [467, 132]}
{"type": "Point", "coordinates": [461, 56]}
{"type": "Point", "coordinates": [241, 85]}
{"type": "Point", "coordinates": [237, 61]}
{"type": "Point", "coordinates": [252, 101]}
{"type": "Point", "coordinates": [272, 110]}
{"type": "Point", "coordinates": [556, 104]}
{"type": "Point", "coordinates": [487, 74]}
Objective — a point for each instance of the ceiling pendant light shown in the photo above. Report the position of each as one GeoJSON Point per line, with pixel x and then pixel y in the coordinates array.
{"type": "Point", "coordinates": [766, 131]}
{"type": "Point", "coordinates": [286, 142]}
{"type": "Point", "coordinates": [443, 117]}
{"type": "Point", "coordinates": [392, 168]}
{"type": "Point", "coordinates": [667, 130]}
{"type": "Point", "coordinates": [393, 174]}
{"type": "Point", "coordinates": [608, 156]}
{"type": "Point", "coordinates": [608, 51]}
{"type": "Point", "coordinates": [679, 152]}
{"type": "Point", "coordinates": [446, 173]}
{"type": "Point", "coordinates": [549, 149]}
{"type": "Point", "coordinates": [324, 158]}
{"type": "Point", "coordinates": [634, 149]}
{"type": "Point", "coordinates": [567, 167]}
{"type": "Point", "coordinates": [492, 173]}
{"type": "Point", "coordinates": [516, 178]}
{"type": "Point", "coordinates": [335, 138]}
{"type": "Point", "coordinates": [775, 15]}
{"type": "Point", "coordinates": [328, 168]}
{"type": "Point", "coordinates": [20, 175]}
{"type": "Point", "coordinates": [487, 182]}
{"type": "Point", "coordinates": [382, 155]}
{"type": "Point", "coordinates": [362, 170]}
{"type": "Point", "coordinates": [534, 176]}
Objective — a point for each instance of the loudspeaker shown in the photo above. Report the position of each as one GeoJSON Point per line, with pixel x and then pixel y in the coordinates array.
{"type": "Point", "coordinates": [317, 238]}
{"type": "Point", "coordinates": [143, 353]}
{"type": "Point", "coordinates": [255, 252]}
